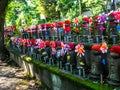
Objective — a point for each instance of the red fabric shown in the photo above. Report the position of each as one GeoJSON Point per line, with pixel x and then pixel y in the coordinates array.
{"type": "Point", "coordinates": [67, 22]}
{"type": "Point", "coordinates": [71, 44]}
{"type": "Point", "coordinates": [67, 29]}
{"type": "Point", "coordinates": [42, 44]}
{"type": "Point", "coordinates": [36, 26]}
{"type": "Point", "coordinates": [85, 25]}
{"type": "Point", "coordinates": [86, 19]}
{"type": "Point", "coordinates": [53, 44]}
{"type": "Point", "coordinates": [96, 23]}
{"type": "Point", "coordinates": [115, 49]}
{"type": "Point", "coordinates": [112, 14]}
{"type": "Point", "coordinates": [96, 47]}
{"type": "Point", "coordinates": [14, 27]}
{"type": "Point", "coordinates": [47, 43]}
{"type": "Point", "coordinates": [60, 24]}
{"type": "Point", "coordinates": [53, 25]}
{"type": "Point", "coordinates": [32, 42]}
{"type": "Point", "coordinates": [59, 44]}
{"type": "Point", "coordinates": [48, 25]}
{"type": "Point", "coordinates": [96, 17]}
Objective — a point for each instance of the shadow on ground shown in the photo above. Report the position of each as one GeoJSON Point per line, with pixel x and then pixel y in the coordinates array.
{"type": "Point", "coordinates": [13, 77]}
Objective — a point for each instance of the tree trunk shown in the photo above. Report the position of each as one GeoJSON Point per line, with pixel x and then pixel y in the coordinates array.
{"type": "Point", "coordinates": [3, 6]}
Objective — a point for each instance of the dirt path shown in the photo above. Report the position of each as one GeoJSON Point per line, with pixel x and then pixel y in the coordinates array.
{"type": "Point", "coordinates": [14, 78]}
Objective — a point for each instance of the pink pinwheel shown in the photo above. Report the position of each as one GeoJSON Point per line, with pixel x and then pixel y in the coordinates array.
{"type": "Point", "coordinates": [80, 50]}
{"type": "Point", "coordinates": [104, 47]}
{"type": "Point", "coordinates": [37, 41]}
{"type": "Point", "coordinates": [102, 28]}
{"type": "Point", "coordinates": [33, 27]}
{"type": "Point", "coordinates": [54, 27]}
{"type": "Point", "coordinates": [62, 45]}
{"type": "Point", "coordinates": [19, 40]}
{"type": "Point", "coordinates": [102, 18]}
{"type": "Point", "coordinates": [12, 38]}
{"type": "Point", "coordinates": [76, 21]}
{"type": "Point", "coordinates": [66, 48]}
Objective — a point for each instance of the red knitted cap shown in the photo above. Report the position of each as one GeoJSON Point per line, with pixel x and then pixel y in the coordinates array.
{"type": "Point", "coordinates": [96, 47]}
{"type": "Point", "coordinates": [115, 49]}
{"type": "Point", "coordinates": [71, 44]}
{"type": "Point", "coordinates": [47, 43]}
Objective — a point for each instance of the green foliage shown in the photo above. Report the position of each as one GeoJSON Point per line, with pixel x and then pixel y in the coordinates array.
{"type": "Point", "coordinates": [7, 41]}
{"type": "Point", "coordinates": [47, 8]}
{"type": "Point", "coordinates": [71, 8]}
{"type": "Point", "coordinates": [22, 13]}
{"type": "Point", "coordinates": [27, 12]}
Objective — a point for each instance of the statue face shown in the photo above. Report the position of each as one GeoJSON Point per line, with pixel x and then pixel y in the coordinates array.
{"type": "Point", "coordinates": [84, 22]}
{"type": "Point", "coordinates": [114, 55]}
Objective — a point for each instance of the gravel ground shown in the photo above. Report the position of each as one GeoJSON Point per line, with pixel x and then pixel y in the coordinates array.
{"type": "Point", "coordinates": [14, 78]}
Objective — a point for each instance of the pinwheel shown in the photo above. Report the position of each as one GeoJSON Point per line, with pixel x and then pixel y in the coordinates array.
{"type": "Point", "coordinates": [80, 50]}
{"type": "Point", "coordinates": [104, 47]}
{"type": "Point", "coordinates": [62, 45]}
{"type": "Point", "coordinates": [76, 21]}
{"type": "Point", "coordinates": [66, 48]}
{"type": "Point", "coordinates": [54, 27]}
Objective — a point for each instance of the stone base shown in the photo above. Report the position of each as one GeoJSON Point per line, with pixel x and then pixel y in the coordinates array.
{"type": "Point", "coordinates": [95, 76]}
{"type": "Point", "coordinates": [113, 82]}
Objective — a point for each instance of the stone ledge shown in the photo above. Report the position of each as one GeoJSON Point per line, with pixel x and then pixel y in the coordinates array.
{"type": "Point", "coordinates": [54, 78]}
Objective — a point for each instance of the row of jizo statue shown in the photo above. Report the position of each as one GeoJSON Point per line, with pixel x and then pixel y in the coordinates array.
{"type": "Point", "coordinates": [94, 61]}
{"type": "Point", "coordinates": [83, 60]}
{"type": "Point", "coordinates": [101, 31]}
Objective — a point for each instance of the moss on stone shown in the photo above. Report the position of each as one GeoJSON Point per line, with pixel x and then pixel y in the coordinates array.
{"type": "Point", "coordinates": [84, 83]}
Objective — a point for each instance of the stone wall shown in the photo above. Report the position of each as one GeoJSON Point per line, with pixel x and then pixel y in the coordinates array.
{"type": "Point", "coordinates": [54, 80]}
